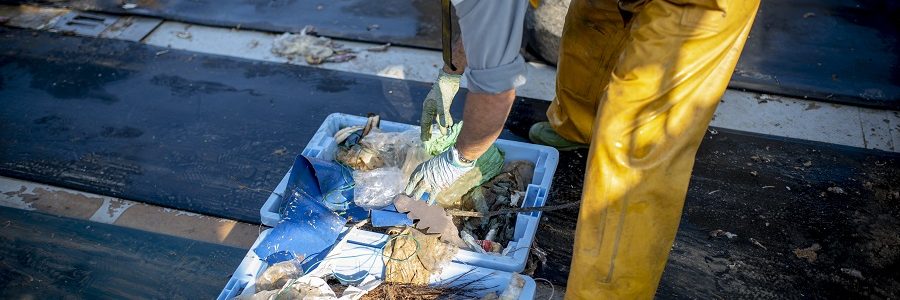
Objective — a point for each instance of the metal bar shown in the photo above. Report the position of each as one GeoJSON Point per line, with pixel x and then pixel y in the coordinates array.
{"type": "Point", "coordinates": [447, 35]}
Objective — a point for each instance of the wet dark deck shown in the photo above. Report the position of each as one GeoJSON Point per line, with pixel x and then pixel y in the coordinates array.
{"type": "Point", "coordinates": [47, 257]}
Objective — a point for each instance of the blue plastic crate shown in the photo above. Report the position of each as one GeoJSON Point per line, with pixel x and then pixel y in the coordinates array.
{"type": "Point", "coordinates": [544, 158]}
{"type": "Point", "coordinates": [355, 258]}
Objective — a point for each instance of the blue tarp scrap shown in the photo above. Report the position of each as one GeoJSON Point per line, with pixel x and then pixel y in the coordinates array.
{"type": "Point", "coordinates": [310, 226]}
{"type": "Point", "coordinates": [384, 218]}
{"type": "Point", "coordinates": [329, 182]}
{"type": "Point", "coordinates": [308, 238]}
{"type": "Point", "coordinates": [318, 205]}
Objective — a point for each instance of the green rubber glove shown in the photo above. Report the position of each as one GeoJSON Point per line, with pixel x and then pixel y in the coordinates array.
{"type": "Point", "coordinates": [436, 107]}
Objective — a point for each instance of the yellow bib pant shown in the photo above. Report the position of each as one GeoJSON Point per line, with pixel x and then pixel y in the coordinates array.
{"type": "Point", "coordinates": [642, 95]}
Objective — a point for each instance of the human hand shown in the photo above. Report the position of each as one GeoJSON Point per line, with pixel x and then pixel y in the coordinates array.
{"type": "Point", "coordinates": [436, 107]}
{"type": "Point", "coordinates": [437, 174]}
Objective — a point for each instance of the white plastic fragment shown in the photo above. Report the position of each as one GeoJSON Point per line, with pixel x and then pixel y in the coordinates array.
{"type": "Point", "coordinates": [470, 241]}
{"type": "Point", "coordinates": [514, 289]}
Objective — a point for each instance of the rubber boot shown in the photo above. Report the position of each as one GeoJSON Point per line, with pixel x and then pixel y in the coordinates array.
{"type": "Point", "coordinates": [542, 133]}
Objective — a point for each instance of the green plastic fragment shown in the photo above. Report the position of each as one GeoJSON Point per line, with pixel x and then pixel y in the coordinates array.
{"type": "Point", "coordinates": [440, 143]}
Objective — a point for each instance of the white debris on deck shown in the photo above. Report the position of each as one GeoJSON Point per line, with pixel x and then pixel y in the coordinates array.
{"type": "Point", "coordinates": [111, 209]}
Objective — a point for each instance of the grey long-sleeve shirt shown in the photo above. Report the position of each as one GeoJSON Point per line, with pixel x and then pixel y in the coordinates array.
{"type": "Point", "coordinates": [492, 35]}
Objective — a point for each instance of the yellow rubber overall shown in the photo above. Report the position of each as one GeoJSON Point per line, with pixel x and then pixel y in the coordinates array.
{"type": "Point", "coordinates": [643, 95]}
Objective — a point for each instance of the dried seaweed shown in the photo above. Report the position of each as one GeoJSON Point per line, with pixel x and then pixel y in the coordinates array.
{"type": "Point", "coordinates": [452, 289]}
{"type": "Point", "coordinates": [403, 291]}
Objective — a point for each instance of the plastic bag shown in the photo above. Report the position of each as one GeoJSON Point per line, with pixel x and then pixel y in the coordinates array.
{"type": "Point", "coordinates": [399, 154]}
{"type": "Point", "coordinates": [379, 149]}
{"type": "Point", "coordinates": [397, 149]}
{"type": "Point", "coordinates": [377, 188]}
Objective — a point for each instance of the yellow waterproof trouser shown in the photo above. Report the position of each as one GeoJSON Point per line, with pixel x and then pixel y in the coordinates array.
{"type": "Point", "coordinates": [643, 96]}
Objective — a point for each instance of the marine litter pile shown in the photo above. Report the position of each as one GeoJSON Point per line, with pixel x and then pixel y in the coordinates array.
{"type": "Point", "coordinates": [313, 49]}
{"type": "Point", "coordinates": [364, 183]}
{"type": "Point", "coordinates": [383, 161]}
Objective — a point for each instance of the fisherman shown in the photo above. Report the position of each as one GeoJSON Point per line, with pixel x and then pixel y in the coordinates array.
{"type": "Point", "coordinates": [638, 82]}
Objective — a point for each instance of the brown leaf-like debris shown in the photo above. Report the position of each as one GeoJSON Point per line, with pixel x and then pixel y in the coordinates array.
{"type": "Point", "coordinates": [432, 219]}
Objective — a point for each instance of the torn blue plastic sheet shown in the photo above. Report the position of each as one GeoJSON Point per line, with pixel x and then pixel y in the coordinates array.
{"type": "Point", "coordinates": [390, 207]}
{"type": "Point", "coordinates": [319, 200]}
{"type": "Point", "coordinates": [328, 182]}
{"type": "Point", "coordinates": [307, 235]}
{"type": "Point", "coordinates": [385, 218]}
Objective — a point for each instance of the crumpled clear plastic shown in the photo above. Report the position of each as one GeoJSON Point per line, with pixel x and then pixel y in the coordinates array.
{"type": "Point", "coordinates": [377, 188]}
{"type": "Point", "coordinates": [403, 149]}
{"type": "Point", "coordinates": [277, 275]}
{"type": "Point", "coordinates": [314, 287]}
{"type": "Point", "coordinates": [401, 153]}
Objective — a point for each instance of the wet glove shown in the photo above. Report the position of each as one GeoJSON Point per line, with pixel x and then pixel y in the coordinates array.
{"type": "Point", "coordinates": [436, 107]}
{"type": "Point", "coordinates": [437, 174]}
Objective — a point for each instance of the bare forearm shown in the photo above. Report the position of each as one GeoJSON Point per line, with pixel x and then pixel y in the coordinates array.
{"type": "Point", "coordinates": [484, 114]}
{"type": "Point", "coordinates": [459, 58]}
{"type": "Point", "coordinates": [483, 120]}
